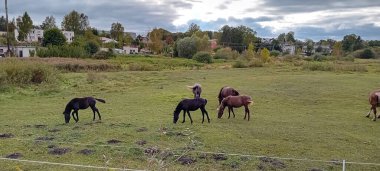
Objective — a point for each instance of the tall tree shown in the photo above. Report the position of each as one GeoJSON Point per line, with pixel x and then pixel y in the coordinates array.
{"type": "Point", "coordinates": [25, 24]}
{"type": "Point", "coordinates": [76, 22]}
{"type": "Point", "coordinates": [117, 31]}
{"type": "Point", "coordinates": [309, 46]}
{"type": "Point", "coordinates": [352, 42]}
{"type": "Point", "coordinates": [48, 23]}
{"type": "Point", "coordinates": [3, 24]}
{"type": "Point", "coordinates": [337, 49]}
{"type": "Point", "coordinates": [290, 37]}
{"type": "Point", "coordinates": [192, 29]}
{"type": "Point", "coordinates": [155, 36]}
{"type": "Point", "coordinates": [53, 37]}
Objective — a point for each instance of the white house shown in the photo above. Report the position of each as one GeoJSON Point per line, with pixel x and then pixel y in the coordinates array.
{"type": "Point", "coordinates": [19, 51]}
{"type": "Point", "coordinates": [130, 50]}
{"type": "Point", "coordinates": [69, 36]}
{"type": "Point", "coordinates": [291, 49]}
{"type": "Point", "coordinates": [37, 35]}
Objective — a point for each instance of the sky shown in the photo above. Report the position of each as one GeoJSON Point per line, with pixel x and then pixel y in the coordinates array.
{"type": "Point", "coordinates": [313, 19]}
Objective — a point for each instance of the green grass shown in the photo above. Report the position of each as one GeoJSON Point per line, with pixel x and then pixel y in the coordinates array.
{"type": "Point", "coordinates": [296, 114]}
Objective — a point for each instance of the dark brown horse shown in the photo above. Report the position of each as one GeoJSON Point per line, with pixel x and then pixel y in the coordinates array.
{"type": "Point", "coordinates": [81, 103]}
{"type": "Point", "coordinates": [225, 92]}
{"type": "Point", "coordinates": [197, 90]}
{"type": "Point", "coordinates": [374, 101]}
{"type": "Point", "coordinates": [188, 105]}
{"type": "Point", "coordinates": [235, 102]}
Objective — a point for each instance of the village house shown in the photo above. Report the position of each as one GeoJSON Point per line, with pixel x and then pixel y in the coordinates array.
{"type": "Point", "coordinates": [19, 51]}
{"type": "Point", "coordinates": [37, 35]}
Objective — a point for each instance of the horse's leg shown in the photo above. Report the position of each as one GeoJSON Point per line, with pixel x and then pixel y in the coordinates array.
{"type": "Point", "coordinates": [73, 114]}
{"type": "Point", "coordinates": [247, 111]}
{"type": "Point", "coordinates": [184, 115]}
{"type": "Point", "coordinates": [77, 115]}
{"type": "Point", "coordinates": [100, 117]}
{"type": "Point", "coordinates": [229, 112]}
{"type": "Point", "coordinates": [369, 113]}
{"type": "Point", "coordinates": [94, 109]}
{"type": "Point", "coordinates": [204, 111]}
{"type": "Point", "coordinates": [188, 113]}
{"type": "Point", "coordinates": [374, 112]}
{"type": "Point", "coordinates": [203, 116]}
{"type": "Point", "coordinates": [245, 114]}
{"type": "Point", "coordinates": [232, 109]}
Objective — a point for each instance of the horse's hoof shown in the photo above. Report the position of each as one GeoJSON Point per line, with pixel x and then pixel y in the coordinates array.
{"type": "Point", "coordinates": [367, 116]}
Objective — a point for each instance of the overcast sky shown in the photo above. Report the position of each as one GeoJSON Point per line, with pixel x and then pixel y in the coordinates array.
{"type": "Point", "coordinates": [315, 19]}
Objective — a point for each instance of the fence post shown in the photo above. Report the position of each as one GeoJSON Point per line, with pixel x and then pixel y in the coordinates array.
{"type": "Point", "coordinates": [344, 165]}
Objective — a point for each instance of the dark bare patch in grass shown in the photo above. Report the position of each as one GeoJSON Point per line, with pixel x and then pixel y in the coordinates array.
{"type": "Point", "coordinates": [40, 126]}
{"type": "Point", "coordinates": [152, 151]}
{"type": "Point", "coordinates": [86, 151]}
{"type": "Point", "coordinates": [125, 125]}
{"type": "Point", "coordinates": [141, 142]}
{"type": "Point", "coordinates": [44, 138]}
{"type": "Point", "coordinates": [186, 160]}
{"type": "Point", "coordinates": [59, 151]}
{"type": "Point", "coordinates": [77, 127]}
{"type": "Point", "coordinates": [142, 129]}
{"type": "Point", "coordinates": [14, 155]}
{"type": "Point", "coordinates": [54, 130]}
{"type": "Point", "coordinates": [202, 156]}
{"type": "Point", "coordinates": [113, 141]}
{"type": "Point", "coordinates": [315, 169]}
{"type": "Point", "coordinates": [6, 135]}
{"type": "Point", "coordinates": [219, 157]}
{"type": "Point", "coordinates": [51, 146]}
{"type": "Point", "coordinates": [273, 162]}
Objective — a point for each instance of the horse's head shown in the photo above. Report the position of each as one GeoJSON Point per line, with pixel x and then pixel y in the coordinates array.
{"type": "Point", "coordinates": [220, 110]}
{"type": "Point", "coordinates": [197, 90]}
{"type": "Point", "coordinates": [67, 117]}
{"type": "Point", "coordinates": [175, 117]}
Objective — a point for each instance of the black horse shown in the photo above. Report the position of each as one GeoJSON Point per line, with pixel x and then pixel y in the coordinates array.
{"type": "Point", "coordinates": [188, 105]}
{"type": "Point", "coordinates": [81, 103]}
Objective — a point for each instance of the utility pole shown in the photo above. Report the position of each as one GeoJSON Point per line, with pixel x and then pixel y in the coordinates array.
{"type": "Point", "coordinates": [6, 24]}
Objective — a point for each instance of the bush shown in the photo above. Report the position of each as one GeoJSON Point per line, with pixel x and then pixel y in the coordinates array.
{"type": "Point", "coordinates": [62, 51]}
{"type": "Point", "coordinates": [366, 54]}
{"type": "Point", "coordinates": [186, 47]}
{"type": "Point", "coordinates": [22, 72]}
{"type": "Point", "coordinates": [255, 62]}
{"type": "Point", "coordinates": [53, 37]}
{"type": "Point", "coordinates": [318, 66]}
{"type": "Point", "coordinates": [318, 57]}
{"type": "Point", "coordinates": [104, 54]}
{"type": "Point", "coordinates": [226, 53]}
{"type": "Point", "coordinates": [203, 57]}
{"type": "Point", "coordinates": [239, 64]}
{"type": "Point", "coordinates": [275, 53]}
{"type": "Point", "coordinates": [91, 47]}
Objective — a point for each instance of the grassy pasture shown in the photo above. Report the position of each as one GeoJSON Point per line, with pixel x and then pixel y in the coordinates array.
{"type": "Point", "coordinates": [296, 114]}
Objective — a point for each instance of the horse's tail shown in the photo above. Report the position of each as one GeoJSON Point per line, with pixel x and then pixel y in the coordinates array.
{"type": "Point", "coordinates": [220, 93]}
{"type": "Point", "coordinates": [100, 100]}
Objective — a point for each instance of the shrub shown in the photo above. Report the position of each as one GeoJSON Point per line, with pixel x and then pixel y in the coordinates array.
{"type": "Point", "coordinates": [62, 51]}
{"type": "Point", "coordinates": [186, 47]}
{"type": "Point", "coordinates": [255, 62]}
{"type": "Point", "coordinates": [203, 57]}
{"type": "Point", "coordinates": [366, 54]}
{"type": "Point", "coordinates": [103, 54]}
{"type": "Point", "coordinates": [275, 53]}
{"type": "Point", "coordinates": [239, 64]}
{"type": "Point", "coordinates": [318, 66]}
{"type": "Point", "coordinates": [53, 37]}
{"type": "Point", "coordinates": [91, 47]}
{"type": "Point", "coordinates": [25, 72]}
{"type": "Point", "coordinates": [226, 53]}
{"type": "Point", "coordinates": [318, 57]}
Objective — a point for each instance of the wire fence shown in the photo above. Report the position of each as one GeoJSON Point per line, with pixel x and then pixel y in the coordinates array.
{"type": "Point", "coordinates": [181, 153]}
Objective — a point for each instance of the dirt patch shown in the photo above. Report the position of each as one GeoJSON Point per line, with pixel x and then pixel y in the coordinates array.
{"type": "Point", "coordinates": [186, 160]}
{"type": "Point", "coordinates": [6, 135]}
{"type": "Point", "coordinates": [113, 141]}
{"type": "Point", "coordinates": [86, 151]}
{"type": "Point", "coordinates": [40, 126]}
{"type": "Point", "coordinates": [141, 142]}
{"type": "Point", "coordinates": [142, 129]}
{"type": "Point", "coordinates": [315, 169]}
{"type": "Point", "coordinates": [44, 138]}
{"type": "Point", "coordinates": [59, 151]}
{"type": "Point", "coordinates": [278, 164]}
{"type": "Point", "coordinates": [219, 157]}
{"type": "Point", "coordinates": [54, 130]}
{"type": "Point", "coordinates": [152, 151]}
{"type": "Point", "coordinates": [51, 146]}
{"type": "Point", "coordinates": [14, 156]}
{"type": "Point", "coordinates": [125, 125]}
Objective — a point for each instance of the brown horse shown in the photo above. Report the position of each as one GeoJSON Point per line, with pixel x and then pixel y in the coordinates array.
{"type": "Point", "coordinates": [235, 102]}
{"type": "Point", "coordinates": [197, 90]}
{"type": "Point", "coordinates": [225, 92]}
{"type": "Point", "coordinates": [81, 103]}
{"type": "Point", "coordinates": [374, 101]}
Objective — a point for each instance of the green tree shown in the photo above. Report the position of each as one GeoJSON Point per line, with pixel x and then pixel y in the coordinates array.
{"type": "Point", "coordinates": [192, 29]}
{"type": "Point", "coordinates": [76, 22]}
{"type": "Point", "coordinates": [156, 43]}
{"type": "Point", "coordinates": [250, 53]}
{"type": "Point", "coordinates": [289, 37]}
{"type": "Point", "coordinates": [53, 37]}
{"type": "Point", "coordinates": [238, 38]}
{"type": "Point", "coordinates": [91, 47]}
{"type": "Point", "coordinates": [309, 46]}
{"type": "Point", "coordinates": [337, 49]}
{"type": "Point", "coordinates": [48, 23]}
{"type": "Point", "coordinates": [117, 31]}
{"type": "Point", "coordinates": [186, 47]}
{"type": "Point", "coordinates": [352, 42]}
{"type": "Point", "coordinates": [25, 24]}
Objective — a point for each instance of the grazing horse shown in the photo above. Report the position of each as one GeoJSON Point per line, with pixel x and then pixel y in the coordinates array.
{"type": "Point", "coordinates": [225, 92]}
{"type": "Point", "coordinates": [197, 90]}
{"type": "Point", "coordinates": [81, 103]}
{"type": "Point", "coordinates": [190, 105]}
{"type": "Point", "coordinates": [235, 102]}
{"type": "Point", "coordinates": [374, 101]}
